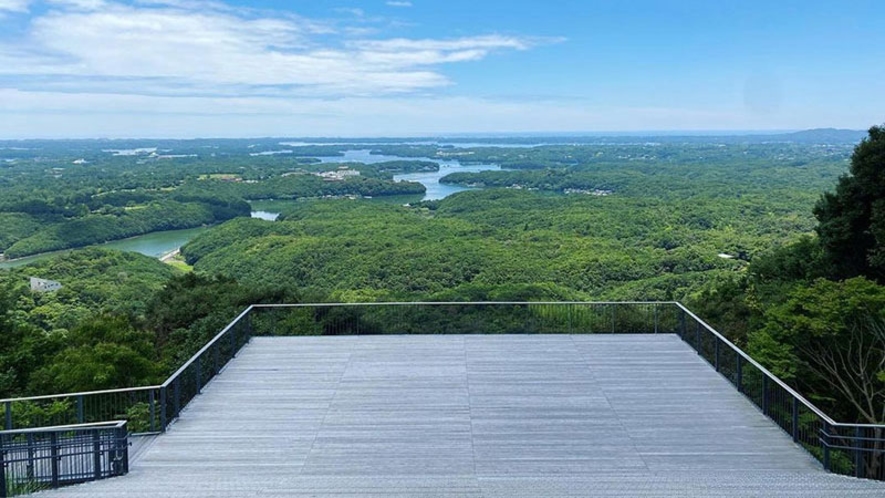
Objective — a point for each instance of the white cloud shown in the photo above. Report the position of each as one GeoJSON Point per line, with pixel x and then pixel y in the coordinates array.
{"type": "Point", "coordinates": [395, 3]}
{"type": "Point", "coordinates": [180, 46]}
{"type": "Point", "coordinates": [55, 114]}
{"type": "Point", "coordinates": [14, 5]}
{"type": "Point", "coordinates": [201, 67]}
{"type": "Point", "coordinates": [79, 4]}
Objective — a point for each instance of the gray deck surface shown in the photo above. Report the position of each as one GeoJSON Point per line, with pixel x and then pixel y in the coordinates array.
{"type": "Point", "coordinates": [474, 416]}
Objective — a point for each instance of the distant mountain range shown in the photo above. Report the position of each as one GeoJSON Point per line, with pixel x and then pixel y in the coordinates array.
{"type": "Point", "coordinates": [823, 135]}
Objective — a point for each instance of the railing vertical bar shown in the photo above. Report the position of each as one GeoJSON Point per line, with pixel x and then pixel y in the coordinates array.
{"type": "Point", "coordinates": [153, 410]}
{"type": "Point", "coordinates": [858, 455]}
{"type": "Point", "coordinates": [53, 455]}
{"type": "Point", "coordinates": [825, 442]}
{"type": "Point", "coordinates": [612, 306]}
{"type": "Point", "coordinates": [198, 374]}
{"type": "Point", "coordinates": [739, 382]}
{"type": "Point", "coordinates": [124, 443]}
{"type": "Point", "coordinates": [80, 415]}
{"type": "Point", "coordinates": [176, 391]}
{"type": "Point", "coordinates": [795, 421]}
{"type": "Point", "coordinates": [162, 409]}
{"type": "Point", "coordinates": [3, 485]}
{"type": "Point", "coordinates": [716, 343]}
{"type": "Point", "coordinates": [216, 358]}
{"type": "Point", "coordinates": [9, 415]}
{"type": "Point", "coordinates": [96, 454]}
{"type": "Point", "coordinates": [29, 440]}
{"type": "Point", "coordinates": [233, 342]}
{"type": "Point", "coordinates": [682, 328]}
{"type": "Point", "coordinates": [765, 399]}
{"type": "Point", "coordinates": [656, 317]}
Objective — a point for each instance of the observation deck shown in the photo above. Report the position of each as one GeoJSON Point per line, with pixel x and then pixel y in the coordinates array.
{"type": "Point", "coordinates": [484, 415]}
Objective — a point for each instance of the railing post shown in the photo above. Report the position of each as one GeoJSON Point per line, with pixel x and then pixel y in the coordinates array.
{"type": "Point", "coordinates": [53, 458]}
{"type": "Point", "coordinates": [124, 442]}
{"type": "Point", "coordinates": [716, 339]}
{"type": "Point", "coordinates": [31, 454]}
{"type": "Point", "coordinates": [152, 402]}
{"type": "Point", "coordinates": [216, 353]}
{"type": "Point", "coordinates": [795, 419]}
{"type": "Point", "coordinates": [656, 316]}
{"type": "Point", "coordinates": [176, 391]}
{"type": "Point", "coordinates": [825, 440]}
{"type": "Point", "coordinates": [682, 329]}
{"type": "Point", "coordinates": [858, 454]}
{"type": "Point", "coordinates": [80, 416]}
{"type": "Point", "coordinates": [697, 338]}
{"type": "Point", "coordinates": [96, 454]}
{"type": "Point", "coordinates": [3, 485]}
{"type": "Point", "coordinates": [198, 370]}
{"type": "Point", "coordinates": [233, 341]}
{"type": "Point", "coordinates": [9, 415]}
{"type": "Point", "coordinates": [765, 394]}
{"type": "Point", "coordinates": [120, 462]}
{"type": "Point", "coordinates": [740, 372]}
{"type": "Point", "coordinates": [612, 306]}
{"type": "Point", "coordinates": [163, 409]}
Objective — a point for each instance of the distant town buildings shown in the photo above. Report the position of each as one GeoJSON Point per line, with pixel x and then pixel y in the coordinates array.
{"type": "Point", "coordinates": [42, 285]}
{"type": "Point", "coordinates": [338, 175]}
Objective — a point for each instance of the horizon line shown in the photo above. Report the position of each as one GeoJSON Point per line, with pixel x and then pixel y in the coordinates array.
{"type": "Point", "coordinates": [463, 135]}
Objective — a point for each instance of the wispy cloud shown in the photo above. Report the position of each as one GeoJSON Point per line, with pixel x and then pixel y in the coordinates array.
{"type": "Point", "coordinates": [14, 5]}
{"type": "Point", "coordinates": [395, 3]}
{"type": "Point", "coordinates": [196, 47]}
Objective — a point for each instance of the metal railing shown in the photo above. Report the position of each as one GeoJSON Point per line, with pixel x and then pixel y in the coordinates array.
{"type": "Point", "coordinates": [851, 449]}
{"type": "Point", "coordinates": [51, 457]}
{"type": "Point", "coordinates": [151, 408]}
{"type": "Point", "coordinates": [466, 318]}
{"type": "Point", "coordinates": [148, 409]}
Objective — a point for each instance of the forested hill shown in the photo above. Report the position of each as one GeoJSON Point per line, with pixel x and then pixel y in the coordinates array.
{"type": "Point", "coordinates": [613, 222]}
{"type": "Point", "coordinates": [781, 245]}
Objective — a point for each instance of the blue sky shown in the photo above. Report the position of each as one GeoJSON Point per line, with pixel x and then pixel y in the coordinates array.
{"type": "Point", "coordinates": [186, 68]}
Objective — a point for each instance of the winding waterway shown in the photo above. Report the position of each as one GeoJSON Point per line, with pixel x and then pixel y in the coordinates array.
{"type": "Point", "coordinates": [154, 244]}
{"type": "Point", "coordinates": [430, 179]}
{"type": "Point", "coordinates": [157, 244]}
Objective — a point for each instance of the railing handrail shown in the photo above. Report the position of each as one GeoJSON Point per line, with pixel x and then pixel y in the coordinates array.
{"type": "Point", "coordinates": [826, 418]}
{"type": "Point", "coordinates": [447, 303]}
{"type": "Point", "coordinates": [112, 424]}
{"type": "Point", "coordinates": [764, 370]}
{"type": "Point", "coordinates": [84, 393]}
{"type": "Point", "coordinates": [206, 347]}
{"type": "Point", "coordinates": [169, 380]}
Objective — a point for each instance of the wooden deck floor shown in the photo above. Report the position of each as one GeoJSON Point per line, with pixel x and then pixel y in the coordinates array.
{"type": "Point", "coordinates": [475, 416]}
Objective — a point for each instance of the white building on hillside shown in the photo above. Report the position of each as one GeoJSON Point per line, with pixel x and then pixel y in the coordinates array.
{"type": "Point", "coordinates": [41, 285]}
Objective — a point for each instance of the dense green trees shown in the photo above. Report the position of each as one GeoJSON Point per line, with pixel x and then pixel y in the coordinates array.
{"type": "Point", "coordinates": [727, 226]}
{"type": "Point", "coordinates": [852, 219]}
{"type": "Point", "coordinates": [811, 311]}
{"type": "Point", "coordinates": [828, 338]}
{"type": "Point", "coordinates": [102, 352]}
{"type": "Point", "coordinates": [84, 335]}
{"type": "Point", "coordinates": [121, 319]}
